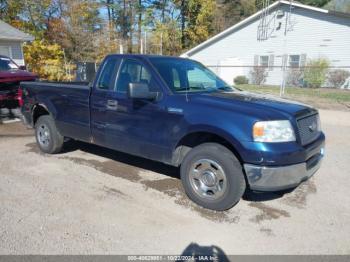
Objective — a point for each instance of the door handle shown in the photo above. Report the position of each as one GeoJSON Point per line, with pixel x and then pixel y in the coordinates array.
{"type": "Point", "coordinates": [112, 104]}
{"type": "Point", "coordinates": [99, 107]}
{"type": "Point", "coordinates": [100, 126]}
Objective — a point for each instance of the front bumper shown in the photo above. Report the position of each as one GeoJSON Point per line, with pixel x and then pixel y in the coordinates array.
{"type": "Point", "coordinates": [264, 178]}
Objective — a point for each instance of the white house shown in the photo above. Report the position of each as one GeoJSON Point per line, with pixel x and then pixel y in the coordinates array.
{"type": "Point", "coordinates": [286, 33]}
{"type": "Point", "coordinates": [11, 41]}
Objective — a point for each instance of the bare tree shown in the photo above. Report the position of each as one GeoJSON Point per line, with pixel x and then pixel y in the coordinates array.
{"type": "Point", "coordinates": [258, 75]}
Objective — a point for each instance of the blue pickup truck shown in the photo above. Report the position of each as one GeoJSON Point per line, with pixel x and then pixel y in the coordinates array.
{"type": "Point", "coordinates": [178, 112]}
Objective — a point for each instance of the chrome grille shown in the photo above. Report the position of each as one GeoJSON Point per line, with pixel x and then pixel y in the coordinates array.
{"type": "Point", "coordinates": [308, 128]}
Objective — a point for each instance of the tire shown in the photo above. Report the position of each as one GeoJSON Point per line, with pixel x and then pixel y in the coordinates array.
{"type": "Point", "coordinates": [4, 112]}
{"type": "Point", "coordinates": [48, 138]}
{"type": "Point", "coordinates": [16, 112]}
{"type": "Point", "coordinates": [212, 177]}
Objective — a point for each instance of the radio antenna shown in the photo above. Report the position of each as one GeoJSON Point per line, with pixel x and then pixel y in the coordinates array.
{"type": "Point", "coordinates": [186, 93]}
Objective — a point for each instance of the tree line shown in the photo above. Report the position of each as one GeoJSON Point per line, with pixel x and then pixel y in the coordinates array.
{"type": "Point", "coordinates": [70, 31]}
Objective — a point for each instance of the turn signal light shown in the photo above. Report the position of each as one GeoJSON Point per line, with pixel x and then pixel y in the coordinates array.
{"type": "Point", "coordinates": [258, 130]}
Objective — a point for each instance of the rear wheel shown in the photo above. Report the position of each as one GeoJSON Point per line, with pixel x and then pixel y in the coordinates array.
{"type": "Point", "coordinates": [212, 177]}
{"type": "Point", "coordinates": [47, 136]}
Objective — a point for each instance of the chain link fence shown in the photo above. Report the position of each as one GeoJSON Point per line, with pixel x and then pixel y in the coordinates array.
{"type": "Point", "coordinates": [289, 76]}
{"type": "Point", "coordinates": [306, 76]}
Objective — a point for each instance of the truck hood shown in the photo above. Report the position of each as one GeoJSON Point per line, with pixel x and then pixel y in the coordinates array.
{"type": "Point", "coordinates": [16, 76]}
{"type": "Point", "coordinates": [264, 106]}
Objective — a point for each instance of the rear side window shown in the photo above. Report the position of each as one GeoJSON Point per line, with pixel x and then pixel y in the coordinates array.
{"type": "Point", "coordinates": [106, 80]}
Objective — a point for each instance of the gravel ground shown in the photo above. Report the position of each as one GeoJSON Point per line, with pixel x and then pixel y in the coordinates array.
{"type": "Point", "coordinates": [90, 200]}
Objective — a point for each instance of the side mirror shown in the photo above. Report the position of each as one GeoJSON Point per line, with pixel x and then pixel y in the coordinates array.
{"type": "Point", "coordinates": [141, 91]}
{"type": "Point", "coordinates": [22, 67]}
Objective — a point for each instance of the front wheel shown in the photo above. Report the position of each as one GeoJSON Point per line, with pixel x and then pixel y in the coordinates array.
{"type": "Point", "coordinates": [212, 177]}
{"type": "Point", "coordinates": [48, 138]}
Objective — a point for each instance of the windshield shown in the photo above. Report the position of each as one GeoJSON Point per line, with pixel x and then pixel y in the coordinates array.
{"type": "Point", "coordinates": [184, 75]}
{"type": "Point", "coordinates": [7, 64]}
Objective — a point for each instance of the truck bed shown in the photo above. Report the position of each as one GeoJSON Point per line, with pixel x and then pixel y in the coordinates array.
{"type": "Point", "coordinates": [68, 102]}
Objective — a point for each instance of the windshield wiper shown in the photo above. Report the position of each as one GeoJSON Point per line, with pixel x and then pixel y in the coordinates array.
{"type": "Point", "coordinates": [190, 88]}
{"type": "Point", "coordinates": [225, 88]}
{"type": "Point", "coordinates": [182, 89]}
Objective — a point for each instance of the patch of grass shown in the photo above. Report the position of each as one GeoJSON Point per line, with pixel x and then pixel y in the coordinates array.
{"type": "Point", "coordinates": [326, 94]}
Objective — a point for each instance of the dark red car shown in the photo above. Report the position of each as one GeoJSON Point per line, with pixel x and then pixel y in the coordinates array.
{"type": "Point", "coordinates": [10, 76]}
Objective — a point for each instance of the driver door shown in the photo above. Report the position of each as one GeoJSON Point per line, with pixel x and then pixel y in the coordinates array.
{"type": "Point", "coordinates": [135, 124]}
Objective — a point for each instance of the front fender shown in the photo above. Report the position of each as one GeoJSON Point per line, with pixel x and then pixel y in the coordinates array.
{"type": "Point", "coordinates": [245, 154]}
{"type": "Point", "coordinates": [216, 131]}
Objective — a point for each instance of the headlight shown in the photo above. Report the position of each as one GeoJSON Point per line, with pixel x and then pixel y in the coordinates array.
{"type": "Point", "coordinates": [273, 131]}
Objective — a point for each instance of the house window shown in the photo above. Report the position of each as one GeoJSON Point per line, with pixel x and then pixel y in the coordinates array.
{"type": "Point", "coordinates": [5, 50]}
{"type": "Point", "coordinates": [294, 61]}
{"type": "Point", "coordinates": [264, 61]}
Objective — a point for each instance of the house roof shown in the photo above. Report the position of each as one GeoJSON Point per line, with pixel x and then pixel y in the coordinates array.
{"type": "Point", "coordinates": [254, 16]}
{"type": "Point", "coordinates": [8, 32]}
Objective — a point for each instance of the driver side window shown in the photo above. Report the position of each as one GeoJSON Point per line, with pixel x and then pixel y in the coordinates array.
{"type": "Point", "coordinates": [132, 72]}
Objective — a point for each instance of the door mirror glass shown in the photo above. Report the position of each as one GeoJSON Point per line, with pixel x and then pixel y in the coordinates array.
{"type": "Point", "coordinates": [141, 91]}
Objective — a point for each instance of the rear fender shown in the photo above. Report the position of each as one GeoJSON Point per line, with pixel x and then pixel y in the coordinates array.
{"type": "Point", "coordinates": [47, 107]}
{"type": "Point", "coordinates": [47, 104]}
